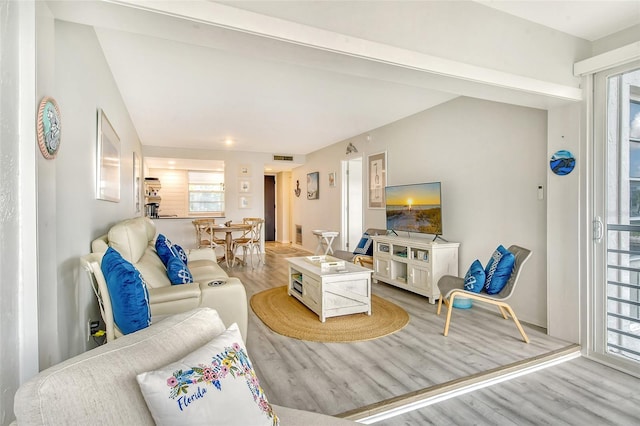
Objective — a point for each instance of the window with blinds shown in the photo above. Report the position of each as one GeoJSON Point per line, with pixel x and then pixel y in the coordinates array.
{"type": "Point", "coordinates": [206, 192]}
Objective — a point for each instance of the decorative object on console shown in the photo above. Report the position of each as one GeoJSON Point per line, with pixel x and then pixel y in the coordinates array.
{"type": "Point", "coordinates": [451, 287]}
{"type": "Point", "coordinates": [48, 127]}
{"type": "Point", "coordinates": [276, 309]}
{"type": "Point", "coordinates": [108, 167]}
{"type": "Point", "coordinates": [313, 183]}
{"type": "Point", "coordinates": [377, 180]}
{"type": "Point", "coordinates": [562, 162]}
{"type": "Point", "coordinates": [128, 291]}
{"type": "Point", "coordinates": [216, 382]}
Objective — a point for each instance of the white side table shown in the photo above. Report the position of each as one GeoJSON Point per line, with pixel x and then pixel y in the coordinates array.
{"type": "Point", "coordinates": [325, 240]}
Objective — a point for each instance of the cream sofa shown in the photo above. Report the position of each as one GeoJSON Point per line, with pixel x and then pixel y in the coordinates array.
{"type": "Point", "coordinates": [135, 239]}
{"type": "Point", "coordinates": [99, 387]}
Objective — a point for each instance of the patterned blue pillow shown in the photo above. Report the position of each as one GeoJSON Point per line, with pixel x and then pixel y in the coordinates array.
{"type": "Point", "coordinates": [178, 272]}
{"type": "Point", "coordinates": [179, 251]}
{"type": "Point", "coordinates": [128, 292]}
{"type": "Point", "coordinates": [498, 270]}
{"type": "Point", "coordinates": [474, 280]}
{"type": "Point", "coordinates": [365, 246]}
{"type": "Point", "coordinates": [163, 248]}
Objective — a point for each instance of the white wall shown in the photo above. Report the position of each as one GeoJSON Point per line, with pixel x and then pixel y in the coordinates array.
{"type": "Point", "coordinates": [490, 158]}
{"type": "Point", "coordinates": [18, 295]}
{"type": "Point", "coordinates": [563, 227]}
{"type": "Point", "coordinates": [74, 71]}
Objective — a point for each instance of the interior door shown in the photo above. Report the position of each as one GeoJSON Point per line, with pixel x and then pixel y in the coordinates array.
{"type": "Point", "coordinates": [352, 202]}
{"type": "Point", "coordinates": [269, 208]}
{"type": "Point", "coordinates": [614, 329]}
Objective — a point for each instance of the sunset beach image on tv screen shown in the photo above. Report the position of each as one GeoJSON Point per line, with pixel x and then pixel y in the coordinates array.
{"type": "Point", "coordinates": [414, 208]}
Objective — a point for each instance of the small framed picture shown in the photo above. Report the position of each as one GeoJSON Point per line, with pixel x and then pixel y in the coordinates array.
{"type": "Point", "coordinates": [245, 186]}
{"type": "Point", "coordinates": [245, 170]}
{"type": "Point", "coordinates": [377, 179]}
{"type": "Point", "coordinates": [332, 179]}
{"type": "Point", "coordinates": [108, 167]}
{"type": "Point", "coordinates": [244, 202]}
{"type": "Point", "coordinates": [313, 190]}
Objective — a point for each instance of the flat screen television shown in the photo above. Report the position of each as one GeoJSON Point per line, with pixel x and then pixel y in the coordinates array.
{"type": "Point", "coordinates": [414, 208]}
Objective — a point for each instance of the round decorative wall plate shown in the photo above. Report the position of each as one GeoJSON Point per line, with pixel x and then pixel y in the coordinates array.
{"type": "Point", "coordinates": [48, 127]}
{"type": "Point", "coordinates": [562, 162]}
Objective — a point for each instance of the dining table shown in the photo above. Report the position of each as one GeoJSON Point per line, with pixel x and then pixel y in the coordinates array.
{"type": "Point", "coordinates": [229, 228]}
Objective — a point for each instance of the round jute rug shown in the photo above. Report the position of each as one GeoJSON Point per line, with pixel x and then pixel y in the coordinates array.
{"type": "Point", "coordinates": [286, 315]}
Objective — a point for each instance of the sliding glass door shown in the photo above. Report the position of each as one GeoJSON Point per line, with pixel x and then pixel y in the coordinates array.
{"type": "Point", "coordinates": [615, 301]}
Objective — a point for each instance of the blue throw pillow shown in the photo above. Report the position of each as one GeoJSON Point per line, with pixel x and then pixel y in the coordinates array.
{"type": "Point", "coordinates": [163, 248]}
{"type": "Point", "coordinates": [474, 280]}
{"type": "Point", "coordinates": [128, 292]}
{"type": "Point", "coordinates": [178, 272]}
{"type": "Point", "coordinates": [365, 246]}
{"type": "Point", "coordinates": [179, 251]}
{"type": "Point", "coordinates": [498, 270]}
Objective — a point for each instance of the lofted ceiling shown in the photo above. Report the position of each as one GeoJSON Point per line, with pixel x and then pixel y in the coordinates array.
{"type": "Point", "coordinates": [190, 84]}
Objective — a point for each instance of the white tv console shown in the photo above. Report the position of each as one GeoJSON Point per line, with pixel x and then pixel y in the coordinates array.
{"type": "Point", "coordinates": [414, 264]}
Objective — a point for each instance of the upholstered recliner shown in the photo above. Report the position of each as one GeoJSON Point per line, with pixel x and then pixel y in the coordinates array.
{"type": "Point", "coordinates": [135, 239]}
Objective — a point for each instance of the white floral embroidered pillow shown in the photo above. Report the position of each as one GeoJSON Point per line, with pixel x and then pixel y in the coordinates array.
{"type": "Point", "coordinates": [214, 385]}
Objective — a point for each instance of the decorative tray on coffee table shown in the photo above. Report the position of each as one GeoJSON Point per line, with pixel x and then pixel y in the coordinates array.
{"type": "Point", "coordinates": [326, 262]}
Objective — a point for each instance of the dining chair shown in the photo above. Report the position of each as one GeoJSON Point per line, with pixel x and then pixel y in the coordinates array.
{"type": "Point", "coordinates": [205, 237]}
{"type": "Point", "coordinates": [251, 239]}
{"type": "Point", "coordinates": [258, 242]}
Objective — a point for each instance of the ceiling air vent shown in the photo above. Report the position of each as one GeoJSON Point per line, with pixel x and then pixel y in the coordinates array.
{"type": "Point", "coordinates": [283, 158]}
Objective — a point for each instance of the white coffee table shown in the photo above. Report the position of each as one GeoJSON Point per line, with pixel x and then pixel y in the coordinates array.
{"type": "Point", "coordinates": [342, 289]}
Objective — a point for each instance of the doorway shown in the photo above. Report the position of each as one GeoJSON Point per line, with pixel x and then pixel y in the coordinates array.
{"type": "Point", "coordinates": [269, 208]}
{"type": "Point", "coordinates": [352, 213]}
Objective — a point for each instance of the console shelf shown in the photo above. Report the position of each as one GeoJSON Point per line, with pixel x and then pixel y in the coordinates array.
{"type": "Point", "coordinates": [414, 264]}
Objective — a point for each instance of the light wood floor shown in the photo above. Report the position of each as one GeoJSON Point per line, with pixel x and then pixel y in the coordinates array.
{"type": "Point", "coordinates": [334, 378]}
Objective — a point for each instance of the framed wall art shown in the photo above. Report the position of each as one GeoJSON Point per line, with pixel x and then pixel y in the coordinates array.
{"type": "Point", "coordinates": [332, 180]}
{"type": "Point", "coordinates": [244, 202]}
{"type": "Point", "coordinates": [137, 188]}
{"type": "Point", "coordinates": [313, 183]}
{"type": "Point", "coordinates": [108, 161]}
{"type": "Point", "coordinates": [245, 170]}
{"type": "Point", "coordinates": [377, 173]}
{"type": "Point", "coordinates": [245, 186]}
{"type": "Point", "coordinates": [48, 127]}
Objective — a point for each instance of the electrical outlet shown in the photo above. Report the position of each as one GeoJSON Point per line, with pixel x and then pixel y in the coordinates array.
{"type": "Point", "coordinates": [92, 328]}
